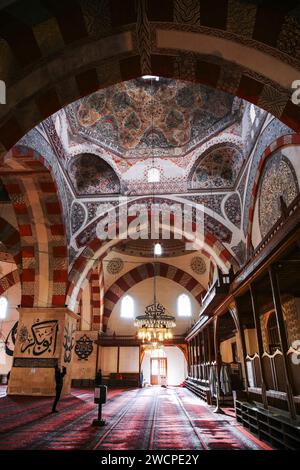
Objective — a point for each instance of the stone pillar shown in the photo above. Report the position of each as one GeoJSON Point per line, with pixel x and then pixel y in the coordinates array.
{"type": "Point", "coordinates": [45, 337]}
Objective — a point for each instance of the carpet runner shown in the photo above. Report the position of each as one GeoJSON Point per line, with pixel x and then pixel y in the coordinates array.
{"type": "Point", "coordinates": [151, 418]}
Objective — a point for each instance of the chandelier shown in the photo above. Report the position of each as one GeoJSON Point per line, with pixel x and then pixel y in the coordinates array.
{"type": "Point", "coordinates": [155, 325]}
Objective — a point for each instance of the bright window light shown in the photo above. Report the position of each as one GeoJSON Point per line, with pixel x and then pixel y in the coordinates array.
{"type": "Point", "coordinates": [184, 308]}
{"type": "Point", "coordinates": [252, 113]}
{"type": "Point", "coordinates": [153, 175]}
{"type": "Point", "coordinates": [157, 249]}
{"type": "Point", "coordinates": [127, 307]}
{"type": "Point", "coordinates": [150, 77]}
{"type": "Point", "coordinates": [3, 307]}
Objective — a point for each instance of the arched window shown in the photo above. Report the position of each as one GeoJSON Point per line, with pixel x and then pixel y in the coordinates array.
{"type": "Point", "coordinates": [127, 307]}
{"type": "Point", "coordinates": [184, 308]}
{"type": "Point", "coordinates": [252, 113]}
{"type": "Point", "coordinates": [3, 307]}
{"type": "Point", "coordinates": [153, 175]}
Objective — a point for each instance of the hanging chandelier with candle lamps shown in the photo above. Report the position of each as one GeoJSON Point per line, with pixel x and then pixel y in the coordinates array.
{"type": "Point", "coordinates": [155, 325]}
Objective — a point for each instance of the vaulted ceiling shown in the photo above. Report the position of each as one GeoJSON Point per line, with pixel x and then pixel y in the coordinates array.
{"type": "Point", "coordinates": [199, 140]}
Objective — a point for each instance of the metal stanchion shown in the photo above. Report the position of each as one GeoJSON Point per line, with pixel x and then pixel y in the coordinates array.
{"type": "Point", "coordinates": [100, 399]}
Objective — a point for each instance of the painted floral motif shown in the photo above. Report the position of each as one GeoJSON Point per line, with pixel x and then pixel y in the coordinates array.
{"type": "Point", "coordinates": [233, 209]}
{"type": "Point", "coordinates": [198, 265]}
{"type": "Point", "coordinates": [92, 175]}
{"type": "Point", "coordinates": [77, 216]}
{"type": "Point", "coordinates": [278, 180]}
{"type": "Point", "coordinates": [115, 266]}
{"type": "Point", "coordinates": [219, 169]}
{"type": "Point", "coordinates": [240, 252]}
{"type": "Point", "coordinates": [148, 114]}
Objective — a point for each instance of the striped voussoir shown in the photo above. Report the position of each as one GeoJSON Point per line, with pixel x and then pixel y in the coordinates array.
{"type": "Point", "coordinates": [146, 271]}
{"type": "Point", "coordinates": [89, 255]}
{"type": "Point", "coordinates": [97, 296]}
{"type": "Point", "coordinates": [38, 211]}
{"type": "Point", "coordinates": [9, 280]}
{"type": "Point", "coordinates": [281, 142]}
{"type": "Point", "coordinates": [120, 42]}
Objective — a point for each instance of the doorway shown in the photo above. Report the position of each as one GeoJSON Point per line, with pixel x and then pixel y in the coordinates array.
{"type": "Point", "coordinates": [158, 370]}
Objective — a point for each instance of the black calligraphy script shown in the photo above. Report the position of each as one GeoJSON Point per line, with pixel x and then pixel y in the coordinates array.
{"type": "Point", "coordinates": [69, 342]}
{"type": "Point", "coordinates": [84, 347]}
{"type": "Point", "coordinates": [11, 340]}
{"type": "Point", "coordinates": [43, 338]}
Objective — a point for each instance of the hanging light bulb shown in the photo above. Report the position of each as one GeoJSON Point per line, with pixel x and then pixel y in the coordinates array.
{"type": "Point", "coordinates": [157, 249]}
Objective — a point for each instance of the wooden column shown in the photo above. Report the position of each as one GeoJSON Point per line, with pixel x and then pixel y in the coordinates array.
{"type": "Point", "coordinates": [205, 356]}
{"type": "Point", "coordinates": [198, 356]}
{"type": "Point", "coordinates": [259, 344]}
{"type": "Point", "coordinates": [195, 357]}
{"type": "Point", "coordinates": [217, 357]}
{"type": "Point", "coordinates": [190, 358]}
{"type": "Point", "coordinates": [118, 360]}
{"type": "Point", "coordinates": [241, 334]}
{"type": "Point", "coordinates": [283, 338]}
{"type": "Point", "coordinates": [209, 351]}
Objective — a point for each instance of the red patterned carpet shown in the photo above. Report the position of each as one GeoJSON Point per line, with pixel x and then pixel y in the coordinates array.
{"type": "Point", "coordinates": [149, 418]}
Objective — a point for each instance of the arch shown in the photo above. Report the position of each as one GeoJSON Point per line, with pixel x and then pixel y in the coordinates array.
{"type": "Point", "coordinates": [252, 61]}
{"type": "Point", "coordinates": [146, 271]}
{"type": "Point", "coordinates": [98, 249]}
{"type": "Point", "coordinates": [281, 142]}
{"type": "Point", "coordinates": [201, 160]}
{"type": "Point", "coordinates": [43, 254]}
{"type": "Point", "coordinates": [9, 280]}
{"type": "Point", "coordinates": [89, 173]}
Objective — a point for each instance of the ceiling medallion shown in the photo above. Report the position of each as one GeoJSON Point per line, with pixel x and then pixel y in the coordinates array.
{"type": "Point", "coordinates": [198, 265]}
{"type": "Point", "coordinates": [155, 324]}
{"type": "Point", "coordinates": [115, 266]}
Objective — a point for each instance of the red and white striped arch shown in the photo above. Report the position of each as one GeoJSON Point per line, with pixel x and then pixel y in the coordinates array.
{"type": "Point", "coordinates": [146, 271]}
{"type": "Point", "coordinates": [35, 200]}
{"type": "Point", "coordinates": [97, 249]}
{"type": "Point", "coordinates": [9, 280]}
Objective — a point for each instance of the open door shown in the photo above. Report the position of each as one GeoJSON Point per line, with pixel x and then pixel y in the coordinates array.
{"type": "Point", "coordinates": [158, 370]}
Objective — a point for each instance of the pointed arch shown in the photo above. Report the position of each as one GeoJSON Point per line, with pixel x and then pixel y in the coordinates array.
{"type": "Point", "coordinates": [146, 271]}
{"type": "Point", "coordinates": [43, 254]}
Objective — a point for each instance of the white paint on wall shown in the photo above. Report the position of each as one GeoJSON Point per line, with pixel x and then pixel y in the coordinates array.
{"type": "Point", "coordinates": [129, 359]}
{"type": "Point", "coordinates": [13, 295]}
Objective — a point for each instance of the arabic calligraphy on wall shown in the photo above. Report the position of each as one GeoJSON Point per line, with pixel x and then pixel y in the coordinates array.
{"type": "Point", "coordinates": [84, 347]}
{"type": "Point", "coordinates": [11, 340]}
{"type": "Point", "coordinates": [41, 339]}
{"type": "Point", "coordinates": [68, 341]}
